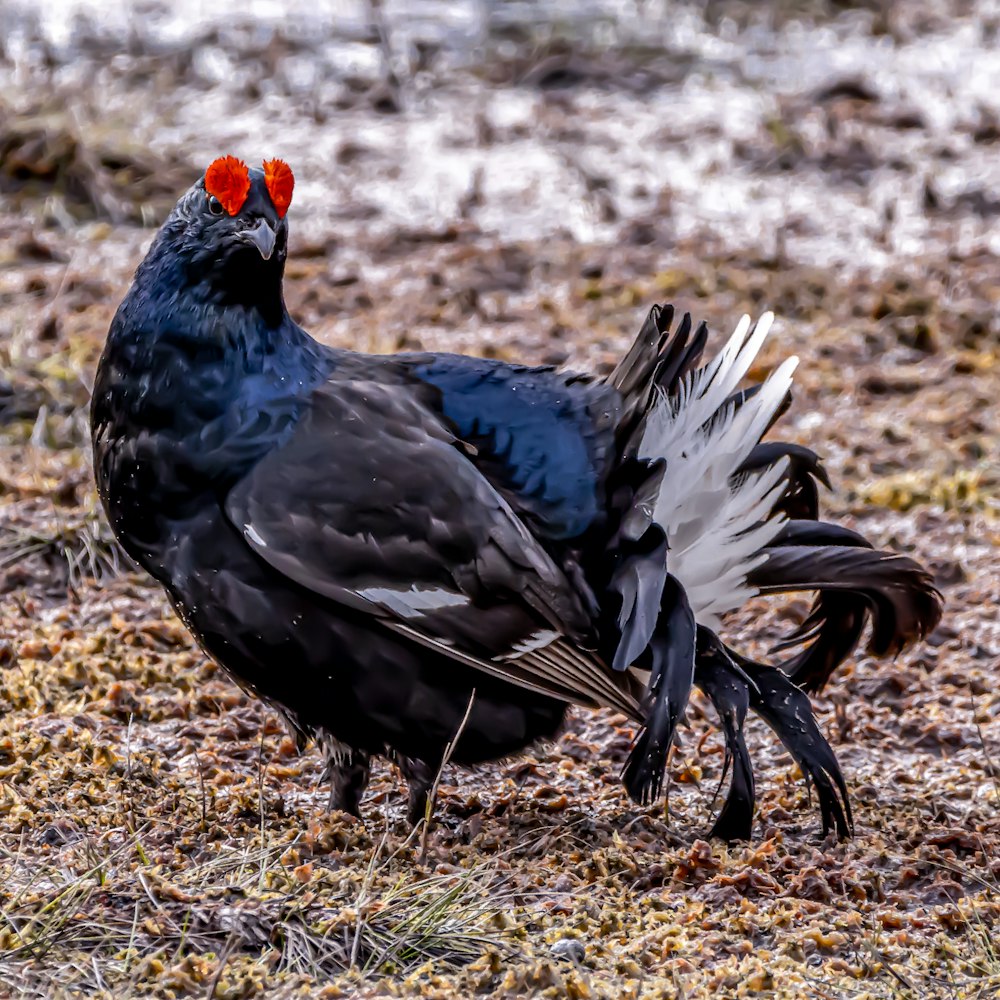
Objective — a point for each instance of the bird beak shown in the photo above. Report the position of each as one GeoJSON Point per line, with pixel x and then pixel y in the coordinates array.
{"type": "Point", "coordinates": [262, 236]}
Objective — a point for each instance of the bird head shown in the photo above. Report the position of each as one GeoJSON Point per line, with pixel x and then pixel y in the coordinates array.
{"type": "Point", "coordinates": [244, 208]}
{"type": "Point", "coordinates": [229, 229]}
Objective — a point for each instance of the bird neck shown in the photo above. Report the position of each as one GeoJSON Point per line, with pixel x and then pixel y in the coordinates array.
{"type": "Point", "coordinates": [207, 389]}
{"type": "Point", "coordinates": [199, 280]}
{"type": "Point", "coordinates": [198, 350]}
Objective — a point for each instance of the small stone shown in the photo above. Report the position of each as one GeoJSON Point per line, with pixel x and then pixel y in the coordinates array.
{"type": "Point", "coordinates": [570, 949]}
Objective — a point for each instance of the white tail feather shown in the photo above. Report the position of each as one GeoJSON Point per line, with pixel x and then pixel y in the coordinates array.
{"type": "Point", "coordinates": [716, 528]}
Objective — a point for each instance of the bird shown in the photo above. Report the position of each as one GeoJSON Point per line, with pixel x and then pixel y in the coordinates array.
{"type": "Point", "coordinates": [421, 556]}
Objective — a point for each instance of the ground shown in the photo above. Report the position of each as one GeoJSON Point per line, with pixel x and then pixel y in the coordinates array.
{"type": "Point", "coordinates": [520, 180]}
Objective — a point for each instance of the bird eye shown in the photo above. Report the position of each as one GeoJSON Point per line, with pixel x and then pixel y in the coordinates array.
{"type": "Point", "coordinates": [214, 205]}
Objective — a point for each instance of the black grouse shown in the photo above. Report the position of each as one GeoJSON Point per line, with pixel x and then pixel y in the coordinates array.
{"type": "Point", "coordinates": [384, 546]}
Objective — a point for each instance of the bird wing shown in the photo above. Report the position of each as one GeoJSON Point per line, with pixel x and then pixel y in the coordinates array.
{"type": "Point", "coordinates": [545, 439]}
{"type": "Point", "coordinates": [371, 503]}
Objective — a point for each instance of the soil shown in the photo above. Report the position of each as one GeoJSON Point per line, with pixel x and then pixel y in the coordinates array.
{"type": "Point", "coordinates": [521, 180]}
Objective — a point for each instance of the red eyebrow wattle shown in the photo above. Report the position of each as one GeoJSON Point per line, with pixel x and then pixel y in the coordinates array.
{"type": "Point", "coordinates": [280, 181]}
{"type": "Point", "coordinates": [228, 179]}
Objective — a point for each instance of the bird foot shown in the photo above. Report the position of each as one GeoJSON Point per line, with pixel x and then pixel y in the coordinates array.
{"type": "Point", "coordinates": [420, 778]}
{"type": "Point", "coordinates": [348, 781]}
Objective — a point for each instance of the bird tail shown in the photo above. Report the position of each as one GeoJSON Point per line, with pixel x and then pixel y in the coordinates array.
{"type": "Point", "coordinates": [699, 429]}
{"type": "Point", "coordinates": [739, 517]}
{"type": "Point", "coordinates": [854, 583]}
{"type": "Point", "coordinates": [671, 658]}
{"type": "Point", "coordinates": [718, 507]}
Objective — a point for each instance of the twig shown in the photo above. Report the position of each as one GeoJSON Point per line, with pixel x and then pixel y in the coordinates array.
{"type": "Point", "coordinates": [260, 802]}
{"type": "Point", "coordinates": [365, 885]}
{"type": "Point", "coordinates": [131, 937]}
{"type": "Point", "coordinates": [896, 974]}
{"type": "Point", "coordinates": [220, 968]}
{"type": "Point", "coordinates": [101, 985]}
{"type": "Point", "coordinates": [432, 795]}
{"type": "Point", "coordinates": [204, 794]}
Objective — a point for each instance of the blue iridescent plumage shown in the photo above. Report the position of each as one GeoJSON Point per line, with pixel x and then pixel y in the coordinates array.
{"type": "Point", "coordinates": [538, 431]}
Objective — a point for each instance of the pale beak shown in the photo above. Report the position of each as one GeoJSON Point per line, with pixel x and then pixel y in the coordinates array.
{"type": "Point", "coordinates": [262, 236]}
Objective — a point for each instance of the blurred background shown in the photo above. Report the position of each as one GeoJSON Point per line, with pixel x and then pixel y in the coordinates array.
{"type": "Point", "coordinates": [523, 179]}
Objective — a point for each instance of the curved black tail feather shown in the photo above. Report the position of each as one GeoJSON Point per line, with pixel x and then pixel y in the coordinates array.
{"type": "Point", "coordinates": [672, 658]}
{"type": "Point", "coordinates": [787, 710]}
{"type": "Point", "coordinates": [805, 470]}
{"type": "Point", "coordinates": [655, 363]}
{"type": "Point", "coordinates": [854, 582]}
{"type": "Point", "coordinates": [728, 688]}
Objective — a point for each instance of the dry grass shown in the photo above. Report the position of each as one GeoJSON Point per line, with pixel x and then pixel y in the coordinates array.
{"type": "Point", "coordinates": [97, 919]}
{"type": "Point", "coordinates": [76, 545]}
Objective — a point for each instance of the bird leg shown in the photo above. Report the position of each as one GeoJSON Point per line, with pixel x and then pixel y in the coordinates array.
{"type": "Point", "coordinates": [348, 777]}
{"type": "Point", "coordinates": [420, 778]}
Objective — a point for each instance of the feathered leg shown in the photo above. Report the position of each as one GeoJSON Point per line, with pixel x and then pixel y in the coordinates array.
{"type": "Point", "coordinates": [420, 777]}
{"type": "Point", "coordinates": [348, 780]}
